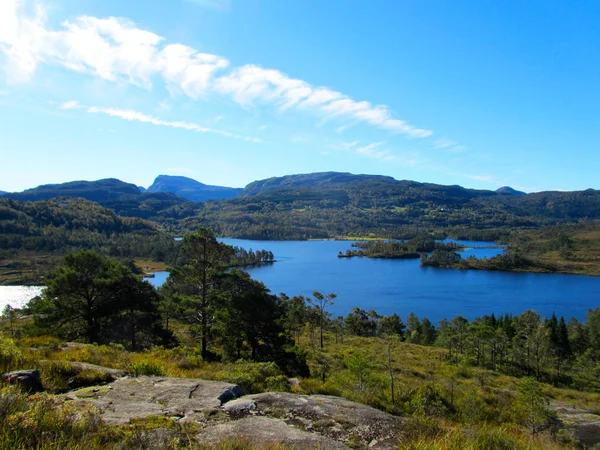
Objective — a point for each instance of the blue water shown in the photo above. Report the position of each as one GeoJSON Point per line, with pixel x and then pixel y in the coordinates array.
{"type": "Point", "coordinates": [403, 286]}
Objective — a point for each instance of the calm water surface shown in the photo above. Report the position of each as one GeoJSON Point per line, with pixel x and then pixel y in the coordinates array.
{"type": "Point", "coordinates": [400, 286]}
{"type": "Point", "coordinates": [403, 286]}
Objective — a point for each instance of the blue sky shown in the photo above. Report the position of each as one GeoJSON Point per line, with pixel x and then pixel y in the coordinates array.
{"type": "Point", "coordinates": [478, 93]}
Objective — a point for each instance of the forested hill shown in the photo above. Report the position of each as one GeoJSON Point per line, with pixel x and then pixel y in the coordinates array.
{"type": "Point", "coordinates": [319, 179]}
{"type": "Point", "coordinates": [96, 191]}
{"type": "Point", "coordinates": [125, 199]}
{"type": "Point", "coordinates": [35, 235]}
{"type": "Point", "coordinates": [332, 204]}
{"type": "Point", "coordinates": [191, 189]}
{"type": "Point", "coordinates": [326, 205]}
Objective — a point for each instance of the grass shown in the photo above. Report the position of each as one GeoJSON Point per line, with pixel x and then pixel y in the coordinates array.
{"type": "Point", "coordinates": [450, 406]}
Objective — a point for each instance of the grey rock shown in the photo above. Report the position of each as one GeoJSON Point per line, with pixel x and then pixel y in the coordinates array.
{"type": "Point", "coordinates": [291, 420]}
{"type": "Point", "coordinates": [333, 417]}
{"type": "Point", "coordinates": [28, 380]}
{"type": "Point", "coordinates": [240, 407]}
{"type": "Point", "coordinates": [231, 393]}
{"type": "Point", "coordinates": [581, 424]}
{"type": "Point", "coordinates": [263, 432]}
{"type": "Point", "coordinates": [185, 398]}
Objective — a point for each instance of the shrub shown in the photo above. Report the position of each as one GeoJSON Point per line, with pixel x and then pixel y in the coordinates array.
{"type": "Point", "coordinates": [10, 355]}
{"type": "Point", "coordinates": [146, 367]}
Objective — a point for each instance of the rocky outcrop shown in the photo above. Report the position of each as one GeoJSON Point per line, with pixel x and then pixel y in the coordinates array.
{"type": "Point", "coordinates": [180, 398]}
{"type": "Point", "coordinates": [28, 380]}
{"type": "Point", "coordinates": [583, 426]}
{"type": "Point", "coordinates": [338, 423]}
{"type": "Point", "coordinates": [298, 421]}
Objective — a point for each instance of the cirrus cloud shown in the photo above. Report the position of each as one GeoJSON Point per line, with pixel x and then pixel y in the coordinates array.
{"type": "Point", "coordinates": [115, 49]}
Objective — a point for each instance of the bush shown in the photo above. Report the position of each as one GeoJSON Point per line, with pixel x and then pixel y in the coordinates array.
{"type": "Point", "coordinates": [42, 421]}
{"type": "Point", "coordinates": [146, 367]}
{"type": "Point", "coordinates": [10, 355]}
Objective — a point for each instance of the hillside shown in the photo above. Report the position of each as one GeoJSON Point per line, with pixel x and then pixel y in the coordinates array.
{"type": "Point", "coordinates": [35, 235]}
{"type": "Point", "coordinates": [326, 205]}
{"type": "Point", "coordinates": [331, 204]}
{"type": "Point", "coordinates": [319, 179]}
{"type": "Point", "coordinates": [191, 189]}
{"type": "Point", "coordinates": [125, 199]}
{"type": "Point", "coordinates": [96, 191]}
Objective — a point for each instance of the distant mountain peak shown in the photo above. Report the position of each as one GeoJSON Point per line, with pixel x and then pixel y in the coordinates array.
{"type": "Point", "coordinates": [507, 190]}
{"type": "Point", "coordinates": [191, 189]}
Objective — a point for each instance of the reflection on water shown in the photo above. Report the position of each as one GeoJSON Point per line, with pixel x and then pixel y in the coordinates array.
{"type": "Point", "coordinates": [17, 296]}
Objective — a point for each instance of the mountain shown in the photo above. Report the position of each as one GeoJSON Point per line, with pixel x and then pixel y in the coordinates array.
{"type": "Point", "coordinates": [125, 199]}
{"type": "Point", "coordinates": [331, 204]}
{"type": "Point", "coordinates": [191, 189]}
{"type": "Point", "coordinates": [95, 191]}
{"type": "Point", "coordinates": [3, 192]}
{"type": "Point", "coordinates": [507, 190]}
{"type": "Point", "coordinates": [319, 179]}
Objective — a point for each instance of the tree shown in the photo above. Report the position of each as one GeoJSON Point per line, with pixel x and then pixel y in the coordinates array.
{"type": "Point", "coordinates": [531, 404]}
{"type": "Point", "coordinates": [391, 325]}
{"type": "Point", "coordinates": [10, 314]}
{"type": "Point", "coordinates": [249, 315]}
{"type": "Point", "coordinates": [390, 340]}
{"type": "Point", "coordinates": [593, 327]}
{"type": "Point", "coordinates": [362, 323]}
{"type": "Point", "coordinates": [295, 315]}
{"type": "Point", "coordinates": [91, 297]}
{"type": "Point", "coordinates": [413, 329]}
{"type": "Point", "coordinates": [321, 302]}
{"type": "Point", "coordinates": [360, 367]}
{"type": "Point", "coordinates": [428, 333]}
{"type": "Point", "coordinates": [197, 281]}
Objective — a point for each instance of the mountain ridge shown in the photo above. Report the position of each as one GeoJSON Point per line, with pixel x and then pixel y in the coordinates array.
{"type": "Point", "coordinates": [191, 189]}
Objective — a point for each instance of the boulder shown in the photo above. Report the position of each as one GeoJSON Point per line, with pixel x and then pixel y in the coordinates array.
{"type": "Point", "coordinates": [239, 407]}
{"type": "Point", "coordinates": [182, 398]}
{"type": "Point", "coordinates": [28, 380]}
{"type": "Point", "coordinates": [231, 393]}
{"type": "Point", "coordinates": [270, 419]}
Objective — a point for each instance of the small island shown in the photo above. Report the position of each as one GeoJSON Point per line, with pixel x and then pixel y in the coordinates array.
{"type": "Point", "coordinates": [392, 249]}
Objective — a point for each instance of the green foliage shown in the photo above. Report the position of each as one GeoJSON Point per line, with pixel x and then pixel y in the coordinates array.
{"type": "Point", "coordinates": [99, 300]}
{"type": "Point", "coordinates": [146, 367]}
{"type": "Point", "coordinates": [42, 421]}
{"type": "Point", "coordinates": [530, 407]}
{"type": "Point", "coordinates": [10, 355]}
{"type": "Point", "coordinates": [253, 378]}
{"type": "Point", "coordinates": [413, 248]}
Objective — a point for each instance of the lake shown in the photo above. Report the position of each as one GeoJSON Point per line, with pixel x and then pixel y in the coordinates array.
{"type": "Point", "coordinates": [403, 286]}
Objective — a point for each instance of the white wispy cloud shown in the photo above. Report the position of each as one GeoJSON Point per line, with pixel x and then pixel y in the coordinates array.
{"type": "Point", "coordinates": [136, 116]}
{"type": "Point", "coordinates": [115, 49]}
{"type": "Point", "coordinates": [449, 145]}
{"type": "Point", "coordinates": [373, 151]}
